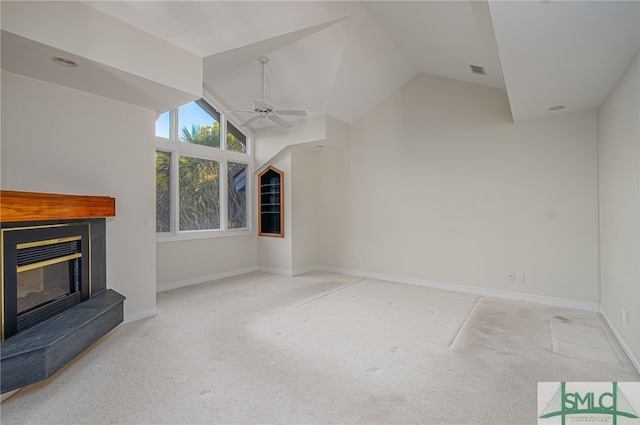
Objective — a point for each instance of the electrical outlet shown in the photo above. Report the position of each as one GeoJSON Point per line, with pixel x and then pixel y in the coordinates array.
{"type": "Point", "coordinates": [519, 277]}
{"type": "Point", "coordinates": [625, 316]}
{"type": "Point", "coordinates": [511, 276]}
{"type": "Point", "coordinates": [148, 222]}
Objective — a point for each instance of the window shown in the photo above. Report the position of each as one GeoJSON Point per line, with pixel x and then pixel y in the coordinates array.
{"type": "Point", "coordinates": [163, 196]}
{"type": "Point", "coordinates": [199, 194]}
{"type": "Point", "coordinates": [163, 124]}
{"type": "Point", "coordinates": [199, 123]}
{"type": "Point", "coordinates": [237, 179]}
{"type": "Point", "coordinates": [236, 141]}
{"type": "Point", "coordinates": [202, 180]}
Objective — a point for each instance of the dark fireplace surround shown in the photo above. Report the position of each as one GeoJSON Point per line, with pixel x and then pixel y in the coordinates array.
{"type": "Point", "coordinates": [59, 305]}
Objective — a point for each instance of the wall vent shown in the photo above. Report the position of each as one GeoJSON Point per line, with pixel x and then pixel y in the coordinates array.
{"type": "Point", "coordinates": [478, 70]}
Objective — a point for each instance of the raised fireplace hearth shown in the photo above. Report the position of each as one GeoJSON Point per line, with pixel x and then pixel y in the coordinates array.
{"type": "Point", "coordinates": [55, 302]}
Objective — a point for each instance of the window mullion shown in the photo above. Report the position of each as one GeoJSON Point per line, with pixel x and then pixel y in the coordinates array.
{"type": "Point", "coordinates": [175, 195]}
{"type": "Point", "coordinates": [249, 192]}
{"type": "Point", "coordinates": [223, 132]}
{"type": "Point", "coordinates": [224, 195]}
{"type": "Point", "coordinates": [175, 131]}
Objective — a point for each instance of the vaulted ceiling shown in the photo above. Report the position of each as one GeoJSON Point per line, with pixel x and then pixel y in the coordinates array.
{"type": "Point", "coordinates": [342, 58]}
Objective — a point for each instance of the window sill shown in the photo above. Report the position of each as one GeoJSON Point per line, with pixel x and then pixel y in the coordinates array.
{"type": "Point", "coordinates": [210, 234]}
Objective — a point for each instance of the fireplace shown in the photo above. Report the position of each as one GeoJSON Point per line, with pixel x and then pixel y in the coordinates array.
{"type": "Point", "coordinates": [46, 271]}
{"type": "Point", "coordinates": [54, 297]}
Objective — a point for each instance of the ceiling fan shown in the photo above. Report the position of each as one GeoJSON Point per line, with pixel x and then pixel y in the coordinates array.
{"type": "Point", "coordinates": [262, 110]}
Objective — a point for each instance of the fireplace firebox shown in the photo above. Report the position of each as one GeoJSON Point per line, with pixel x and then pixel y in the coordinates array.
{"type": "Point", "coordinates": [45, 271]}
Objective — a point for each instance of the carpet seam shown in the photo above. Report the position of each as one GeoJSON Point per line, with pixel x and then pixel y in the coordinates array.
{"type": "Point", "coordinates": [330, 293]}
{"type": "Point", "coordinates": [464, 323]}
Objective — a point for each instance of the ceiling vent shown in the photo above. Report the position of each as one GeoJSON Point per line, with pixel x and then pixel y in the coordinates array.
{"type": "Point", "coordinates": [478, 70]}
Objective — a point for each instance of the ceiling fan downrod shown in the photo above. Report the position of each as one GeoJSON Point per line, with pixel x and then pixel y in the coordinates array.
{"type": "Point", "coordinates": [263, 60]}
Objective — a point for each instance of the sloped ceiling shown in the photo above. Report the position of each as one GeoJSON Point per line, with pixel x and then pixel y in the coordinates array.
{"type": "Point", "coordinates": [342, 58]}
{"type": "Point", "coordinates": [325, 57]}
{"type": "Point", "coordinates": [568, 53]}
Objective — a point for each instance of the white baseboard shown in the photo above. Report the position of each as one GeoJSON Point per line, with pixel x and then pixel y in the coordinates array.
{"type": "Point", "coordinates": [139, 315]}
{"type": "Point", "coordinates": [202, 279]}
{"type": "Point", "coordinates": [287, 273]}
{"type": "Point", "coordinates": [304, 270]}
{"type": "Point", "coordinates": [278, 272]}
{"type": "Point", "coordinates": [516, 296]}
{"type": "Point", "coordinates": [623, 343]}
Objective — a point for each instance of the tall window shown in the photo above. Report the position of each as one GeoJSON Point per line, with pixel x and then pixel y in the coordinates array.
{"type": "Point", "coordinates": [163, 193]}
{"type": "Point", "coordinates": [237, 180]}
{"type": "Point", "coordinates": [201, 179]}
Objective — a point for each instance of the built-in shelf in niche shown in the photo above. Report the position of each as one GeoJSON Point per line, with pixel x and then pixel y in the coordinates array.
{"type": "Point", "coordinates": [270, 204]}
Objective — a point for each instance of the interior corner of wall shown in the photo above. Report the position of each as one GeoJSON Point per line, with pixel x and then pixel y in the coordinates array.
{"type": "Point", "coordinates": [337, 132]}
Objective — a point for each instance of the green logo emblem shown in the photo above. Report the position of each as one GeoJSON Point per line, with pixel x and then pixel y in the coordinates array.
{"type": "Point", "coordinates": [608, 405]}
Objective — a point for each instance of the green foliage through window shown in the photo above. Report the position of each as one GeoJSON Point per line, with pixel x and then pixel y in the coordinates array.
{"type": "Point", "coordinates": [199, 188]}
{"type": "Point", "coordinates": [163, 196]}
{"type": "Point", "coordinates": [209, 135]}
{"type": "Point", "coordinates": [236, 141]}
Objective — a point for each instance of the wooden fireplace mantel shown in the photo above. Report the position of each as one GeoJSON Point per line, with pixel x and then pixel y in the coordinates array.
{"type": "Point", "coordinates": [31, 206]}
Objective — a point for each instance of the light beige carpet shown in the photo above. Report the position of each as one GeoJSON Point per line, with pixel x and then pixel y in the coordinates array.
{"type": "Point", "coordinates": [325, 348]}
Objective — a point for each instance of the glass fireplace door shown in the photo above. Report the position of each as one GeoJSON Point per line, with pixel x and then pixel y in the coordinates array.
{"type": "Point", "coordinates": [41, 284]}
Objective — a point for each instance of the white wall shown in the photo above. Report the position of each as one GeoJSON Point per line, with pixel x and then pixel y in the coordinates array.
{"type": "Point", "coordinates": [60, 140]}
{"type": "Point", "coordinates": [182, 263]}
{"type": "Point", "coordinates": [304, 210]}
{"type": "Point", "coordinates": [440, 185]}
{"type": "Point", "coordinates": [619, 179]}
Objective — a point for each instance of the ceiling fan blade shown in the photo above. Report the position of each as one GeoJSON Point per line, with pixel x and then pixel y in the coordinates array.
{"type": "Point", "coordinates": [296, 112]}
{"type": "Point", "coordinates": [250, 121]}
{"type": "Point", "coordinates": [243, 112]}
{"type": "Point", "coordinates": [260, 104]}
{"type": "Point", "coordinates": [282, 123]}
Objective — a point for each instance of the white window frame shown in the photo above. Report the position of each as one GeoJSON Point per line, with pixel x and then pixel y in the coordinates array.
{"type": "Point", "coordinates": [176, 148]}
